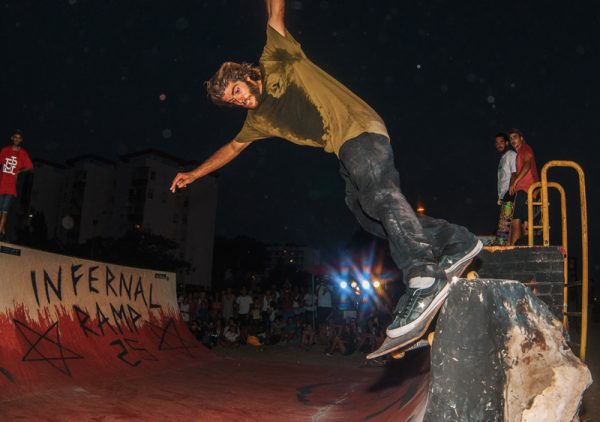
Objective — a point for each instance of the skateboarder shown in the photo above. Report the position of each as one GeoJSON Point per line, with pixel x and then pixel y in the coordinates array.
{"type": "Point", "coordinates": [507, 165]}
{"type": "Point", "coordinates": [507, 168]}
{"type": "Point", "coordinates": [526, 175]}
{"type": "Point", "coordinates": [289, 97]}
{"type": "Point", "coordinates": [14, 160]}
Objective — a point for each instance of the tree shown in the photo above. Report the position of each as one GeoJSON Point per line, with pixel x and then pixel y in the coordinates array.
{"type": "Point", "coordinates": [136, 249]}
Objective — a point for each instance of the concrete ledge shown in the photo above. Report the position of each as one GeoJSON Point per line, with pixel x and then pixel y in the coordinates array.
{"type": "Point", "coordinates": [499, 354]}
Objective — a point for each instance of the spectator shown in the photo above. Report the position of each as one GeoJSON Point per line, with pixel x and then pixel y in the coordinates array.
{"type": "Point", "coordinates": [507, 165]}
{"type": "Point", "coordinates": [287, 304]}
{"type": "Point", "coordinates": [215, 330]}
{"type": "Point", "coordinates": [14, 160]}
{"type": "Point", "coordinates": [215, 307]}
{"type": "Point", "coordinates": [266, 309]}
{"type": "Point", "coordinates": [525, 176]}
{"type": "Point", "coordinates": [228, 301]}
{"type": "Point", "coordinates": [184, 308]}
{"type": "Point", "coordinates": [343, 342]}
{"type": "Point", "coordinates": [326, 333]}
{"type": "Point", "coordinates": [368, 338]}
{"type": "Point", "coordinates": [323, 302]}
{"type": "Point", "coordinates": [273, 311]}
{"type": "Point", "coordinates": [309, 302]}
{"type": "Point", "coordinates": [195, 330]}
{"type": "Point", "coordinates": [202, 308]}
{"type": "Point", "coordinates": [243, 302]}
{"type": "Point", "coordinates": [290, 332]}
{"type": "Point", "coordinates": [255, 318]}
{"type": "Point", "coordinates": [308, 336]}
{"type": "Point", "coordinates": [276, 330]}
{"type": "Point", "coordinates": [506, 172]}
{"type": "Point", "coordinates": [297, 302]}
{"type": "Point", "coordinates": [231, 334]}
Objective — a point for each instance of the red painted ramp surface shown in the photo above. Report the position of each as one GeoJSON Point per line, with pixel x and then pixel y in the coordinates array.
{"type": "Point", "coordinates": [84, 340]}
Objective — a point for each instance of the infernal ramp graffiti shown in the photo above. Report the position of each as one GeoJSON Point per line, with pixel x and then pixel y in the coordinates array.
{"type": "Point", "coordinates": [46, 347]}
{"type": "Point", "coordinates": [170, 338]}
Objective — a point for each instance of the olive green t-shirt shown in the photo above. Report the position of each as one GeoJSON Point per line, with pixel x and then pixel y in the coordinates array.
{"type": "Point", "coordinates": [303, 104]}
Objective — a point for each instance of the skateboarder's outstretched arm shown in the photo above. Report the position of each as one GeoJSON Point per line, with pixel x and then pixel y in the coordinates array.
{"type": "Point", "coordinates": [276, 13]}
{"type": "Point", "coordinates": [221, 157]}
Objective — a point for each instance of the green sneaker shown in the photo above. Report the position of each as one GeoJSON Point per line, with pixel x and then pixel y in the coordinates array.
{"type": "Point", "coordinates": [454, 265]}
{"type": "Point", "coordinates": [417, 308]}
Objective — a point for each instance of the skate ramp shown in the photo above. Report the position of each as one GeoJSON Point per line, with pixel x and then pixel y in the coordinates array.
{"type": "Point", "coordinates": [85, 340]}
{"type": "Point", "coordinates": [67, 320]}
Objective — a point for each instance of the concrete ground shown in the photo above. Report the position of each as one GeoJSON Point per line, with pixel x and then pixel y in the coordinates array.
{"type": "Point", "coordinates": [591, 399]}
{"type": "Point", "coordinates": [590, 411]}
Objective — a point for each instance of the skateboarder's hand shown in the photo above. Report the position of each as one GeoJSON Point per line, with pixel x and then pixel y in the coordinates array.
{"type": "Point", "coordinates": [181, 180]}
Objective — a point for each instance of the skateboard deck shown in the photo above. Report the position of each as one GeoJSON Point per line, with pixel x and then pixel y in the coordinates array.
{"type": "Point", "coordinates": [398, 347]}
{"type": "Point", "coordinates": [506, 214]}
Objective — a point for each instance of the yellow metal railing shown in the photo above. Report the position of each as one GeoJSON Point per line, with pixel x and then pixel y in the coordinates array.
{"type": "Point", "coordinates": [544, 184]}
{"type": "Point", "coordinates": [564, 235]}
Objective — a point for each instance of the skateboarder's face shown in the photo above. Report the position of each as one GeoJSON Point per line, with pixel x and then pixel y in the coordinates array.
{"type": "Point", "coordinates": [245, 94]}
{"type": "Point", "coordinates": [16, 139]}
{"type": "Point", "coordinates": [501, 144]}
{"type": "Point", "coordinates": [516, 140]}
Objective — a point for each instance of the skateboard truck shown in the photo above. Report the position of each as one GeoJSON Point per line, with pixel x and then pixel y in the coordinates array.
{"type": "Point", "coordinates": [419, 344]}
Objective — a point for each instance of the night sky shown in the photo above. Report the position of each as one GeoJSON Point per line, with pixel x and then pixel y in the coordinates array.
{"type": "Point", "coordinates": [111, 77]}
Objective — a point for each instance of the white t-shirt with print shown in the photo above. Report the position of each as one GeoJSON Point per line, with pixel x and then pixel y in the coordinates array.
{"type": "Point", "coordinates": [243, 303]}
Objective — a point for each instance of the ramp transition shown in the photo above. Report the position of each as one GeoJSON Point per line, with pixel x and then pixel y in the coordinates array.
{"type": "Point", "coordinates": [82, 340]}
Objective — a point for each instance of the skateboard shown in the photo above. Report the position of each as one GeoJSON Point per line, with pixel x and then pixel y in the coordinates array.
{"type": "Point", "coordinates": [506, 214]}
{"type": "Point", "coordinates": [398, 347]}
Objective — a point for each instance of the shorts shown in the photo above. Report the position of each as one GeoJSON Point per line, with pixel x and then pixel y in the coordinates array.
{"type": "Point", "coordinates": [6, 201]}
{"type": "Point", "coordinates": [520, 206]}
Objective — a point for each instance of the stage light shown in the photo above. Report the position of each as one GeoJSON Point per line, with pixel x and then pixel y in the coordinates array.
{"type": "Point", "coordinates": [353, 284]}
{"type": "Point", "coordinates": [377, 284]}
{"type": "Point", "coordinates": [366, 285]}
{"type": "Point", "coordinates": [343, 284]}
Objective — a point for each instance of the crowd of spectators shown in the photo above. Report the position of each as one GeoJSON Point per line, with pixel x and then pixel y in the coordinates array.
{"type": "Point", "coordinates": [287, 315]}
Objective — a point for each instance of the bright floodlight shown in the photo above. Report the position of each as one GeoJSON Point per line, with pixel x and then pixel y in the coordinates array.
{"type": "Point", "coordinates": [365, 284]}
{"type": "Point", "coordinates": [376, 284]}
{"type": "Point", "coordinates": [343, 284]}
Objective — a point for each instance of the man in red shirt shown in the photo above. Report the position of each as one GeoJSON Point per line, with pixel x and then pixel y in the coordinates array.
{"type": "Point", "coordinates": [13, 160]}
{"type": "Point", "coordinates": [526, 176]}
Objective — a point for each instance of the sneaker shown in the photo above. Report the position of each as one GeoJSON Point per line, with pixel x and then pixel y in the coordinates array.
{"type": "Point", "coordinates": [454, 265]}
{"type": "Point", "coordinates": [416, 309]}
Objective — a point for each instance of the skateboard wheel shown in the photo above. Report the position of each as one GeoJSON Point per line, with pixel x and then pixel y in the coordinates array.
{"type": "Point", "coordinates": [472, 275]}
{"type": "Point", "coordinates": [398, 355]}
{"type": "Point", "coordinates": [430, 337]}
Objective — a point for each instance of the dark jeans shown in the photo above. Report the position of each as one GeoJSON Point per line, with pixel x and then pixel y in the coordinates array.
{"type": "Point", "coordinates": [374, 197]}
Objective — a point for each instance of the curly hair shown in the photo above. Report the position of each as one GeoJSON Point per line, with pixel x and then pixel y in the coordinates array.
{"type": "Point", "coordinates": [229, 72]}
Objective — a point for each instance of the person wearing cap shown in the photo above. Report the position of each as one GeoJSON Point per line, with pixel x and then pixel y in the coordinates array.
{"type": "Point", "coordinates": [14, 160]}
{"type": "Point", "coordinates": [525, 176]}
